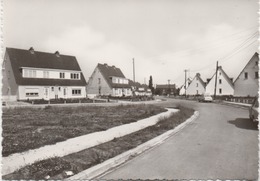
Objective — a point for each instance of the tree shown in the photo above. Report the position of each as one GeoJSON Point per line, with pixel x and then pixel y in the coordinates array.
{"type": "Point", "coordinates": [151, 84]}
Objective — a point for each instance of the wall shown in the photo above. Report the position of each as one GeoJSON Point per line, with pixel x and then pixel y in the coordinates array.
{"type": "Point", "coordinates": [226, 88]}
{"type": "Point", "coordinates": [249, 86]}
{"type": "Point", "coordinates": [93, 84]}
{"type": "Point", "coordinates": [51, 92]}
{"type": "Point", "coordinates": [193, 89]}
{"type": "Point", "coordinates": [9, 86]}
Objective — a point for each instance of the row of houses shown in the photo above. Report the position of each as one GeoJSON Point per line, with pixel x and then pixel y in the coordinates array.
{"type": "Point", "coordinates": [246, 84]}
{"type": "Point", "coordinates": [30, 74]}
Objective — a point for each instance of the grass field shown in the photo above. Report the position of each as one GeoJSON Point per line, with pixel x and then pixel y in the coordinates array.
{"type": "Point", "coordinates": [55, 168]}
{"type": "Point", "coordinates": [30, 128]}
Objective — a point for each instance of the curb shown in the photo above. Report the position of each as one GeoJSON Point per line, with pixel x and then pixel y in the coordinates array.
{"type": "Point", "coordinates": [101, 168]}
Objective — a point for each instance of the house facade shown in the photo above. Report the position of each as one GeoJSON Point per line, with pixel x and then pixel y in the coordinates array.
{"type": "Point", "coordinates": [108, 80]}
{"type": "Point", "coordinates": [247, 83]}
{"type": "Point", "coordinates": [224, 85]}
{"type": "Point", "coordinates": [29, 74]}
{"type": "Point", "coordinates": [196, 86]}
{"type": "Point", "coordinates": [165, 89]}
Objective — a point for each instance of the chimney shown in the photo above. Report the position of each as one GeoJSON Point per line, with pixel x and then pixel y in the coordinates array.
{"type": "Point", "coordinates": [198, 74]}
{"type": "Point", "coordinates": [57, 53]}
{"type": "Point", "coordinates": [113, 66]}
{"type": "Point", "coordinates": [31, 50]}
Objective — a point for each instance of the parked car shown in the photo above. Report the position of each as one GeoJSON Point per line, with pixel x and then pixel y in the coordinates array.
{"type": "Point", "coordinates": [205, 98]}
{"type": "Point", "coordinates": [253, 110]}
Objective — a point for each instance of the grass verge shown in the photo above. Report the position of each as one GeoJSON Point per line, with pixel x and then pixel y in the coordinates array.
{"type": "Point", "coordinates": [30, 128]}
{"type": "Point", "coordinates": [85, 159]}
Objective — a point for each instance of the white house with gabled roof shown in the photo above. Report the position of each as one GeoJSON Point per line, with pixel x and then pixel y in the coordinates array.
{"type": "Point", "coordinates": [196, 86]}
{"type": "Point", "coordinates": [30, 74]}
{"type": "Point", "coordinates": [224, 85]}
{"type": "Point", "coordinates": [247, 82]}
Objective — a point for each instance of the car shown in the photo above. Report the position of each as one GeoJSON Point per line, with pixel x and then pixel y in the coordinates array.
{"type": "Point", "coordinates": [205, 98]}
{"type": "Point", "coordinates": [253, 110]}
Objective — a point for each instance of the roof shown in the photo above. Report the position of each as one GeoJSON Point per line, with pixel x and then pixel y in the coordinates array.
{"type": "Point", "coordinates": [29, 58]}
{"type": "Point", "coordinates": [165, 86]}
{"type": "Point", "coordinates": [199, 78]}
{"type": "Point", "coordinates": [112, 71]}
{"type": "Point", "coordinates": [225, 75]}
{"type": "Point", "coordinates": [255, 55]}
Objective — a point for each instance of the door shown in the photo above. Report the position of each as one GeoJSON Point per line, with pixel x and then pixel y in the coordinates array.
{"type": "Point", "coordinates": [46, 93]}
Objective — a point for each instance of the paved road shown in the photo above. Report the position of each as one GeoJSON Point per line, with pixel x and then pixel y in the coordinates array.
{"type": "Point", "coordinates": [221, 144]}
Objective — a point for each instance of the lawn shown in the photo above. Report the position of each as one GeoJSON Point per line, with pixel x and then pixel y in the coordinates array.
{"type": "Point", "coordinates": [30, 128]}
{"type": "Point", "coordinates": [54, 168]}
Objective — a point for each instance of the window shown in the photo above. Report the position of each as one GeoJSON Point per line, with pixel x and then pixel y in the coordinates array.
{"type": "Point", "coordinates": [256, 62]}
{"type": "Point", "coordinates": [59, 88]}
{"type": "Point", "coordinates": [76, 91]}
{"type": "Point", "coordinates": [29, 73]}
{"type": "Point", "coordinates": [99, 80]}
{"type": "Point", "coordinates": [197, 85]}
{"type": "Point", "coordinates": [45, 74]}
{"type": "Point", "coordinates": [220, 91]}
{"type": "Point", "coordinates": [74, 75]}
{"type": "Point", "coordinates": [220, 81]}
{"type": "Point", "coordinates": [246, 75]}
{"type": "Point", "coordinates": [256, 75]}
{"type": "Point", "coordinates": [31, 92]}
{"type": "Point", "coordinates": [52, 88]}
{"type": "Point", "coordinates": [62, 75]}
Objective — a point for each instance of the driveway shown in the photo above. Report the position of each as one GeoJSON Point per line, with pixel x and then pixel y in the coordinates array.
{"type": "Point", "coordinates": [221, 144]}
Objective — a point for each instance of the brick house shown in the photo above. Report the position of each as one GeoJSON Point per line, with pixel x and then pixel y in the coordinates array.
{"type": "Point", "coordinates": [196, 86]}
{"type": "Point", "coordinates": [29, 74]}
{"type": "Point", "coordinates": [165, 89]}
{"type": "Point", "coordinates": [108, 80]}
{"type": "Point", "coordinates": [247, 83]}
{"type": "Point", "coordinates": [224, 84]}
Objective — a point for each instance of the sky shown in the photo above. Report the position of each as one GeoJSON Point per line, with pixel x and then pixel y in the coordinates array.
{"type": "Point", "coordinates": [164, 37]}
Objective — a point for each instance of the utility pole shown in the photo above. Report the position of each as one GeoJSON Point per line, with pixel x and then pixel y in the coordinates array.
{"type": "Point", "coordinates": [133, 69]}
{"type": "Point", "coordinates": [169, 90]}
{"type": "Point", "coordinates": [216, 75]}
{"type": "Point", "coordinates": [185, 86]}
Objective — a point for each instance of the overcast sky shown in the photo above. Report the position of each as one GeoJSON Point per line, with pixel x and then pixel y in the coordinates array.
{"type": "Point", "coordinates": [163, 36]}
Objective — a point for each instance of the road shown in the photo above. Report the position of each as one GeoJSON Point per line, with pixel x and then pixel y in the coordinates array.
{"type": "Point", "coordinates": [221, 144]}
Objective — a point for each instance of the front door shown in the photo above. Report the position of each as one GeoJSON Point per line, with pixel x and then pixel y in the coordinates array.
{"type": "Point", "coordinates": [46, 93]}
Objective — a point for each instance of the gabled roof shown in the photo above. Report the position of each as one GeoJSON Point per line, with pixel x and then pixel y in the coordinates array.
{"type": "Point", "coordinates": [29, 58]}
{"type": "Point", "coordinates": [112, 71]}
{"type": "Point", "coordinates": [225, 75]}
{"type": "Point", "coordinates": [199, 78]}
{"type": "Point", "coordinates": [254, 56]}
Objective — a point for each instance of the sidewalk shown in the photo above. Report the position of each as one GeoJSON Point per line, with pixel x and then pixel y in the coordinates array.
{"type": "Point", "coordinates": [236, 104]}
{"type": "Point", "coordinates": [18, 160]}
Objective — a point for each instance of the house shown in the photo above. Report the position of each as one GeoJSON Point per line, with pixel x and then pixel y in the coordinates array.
{"type": "Point", "coordinates": [30, 74]}
{"type": "Point", "coordinates": [165, 89]}
{"type": "Point", "coordinates": [224, 84]}
{"type": "Point", "coordinates": [183, 87]}
{"type": "Point", "coordinates": [108, 80]}
{"type": "Point", "coordinates": [247, 83]}
{"type": "Point", "coordinates": [140, 89]}
{"type": "Point", "coordinates": [196, 86]}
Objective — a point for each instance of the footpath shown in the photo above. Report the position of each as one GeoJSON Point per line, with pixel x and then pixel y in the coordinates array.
{"type": "Point", "coordinates": [18, 160]}
{"type": "Point", "coordinates": [236, 104]}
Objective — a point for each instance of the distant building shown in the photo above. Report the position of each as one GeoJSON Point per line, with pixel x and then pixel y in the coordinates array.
{"type": "Point", "coordinates": [247, 83]}
{"type": "Point", "coordinates": [29, 74]}
{"type": "Point", "coordinates": [108, 80]}
{"type": "Point", "coordinates": [165, 89]}
{"type": "Point", "coordinates": [224, 85]}
{"type": "Point", "coordinates": [183, 87]}
{"type": "Point", "coordinates": [140, 89]}
{"type": "Point", "coordinates": [196, 86]}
